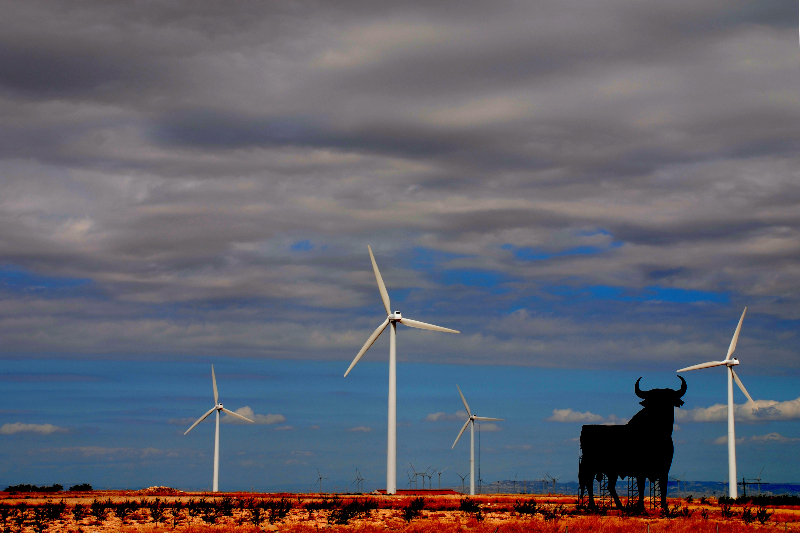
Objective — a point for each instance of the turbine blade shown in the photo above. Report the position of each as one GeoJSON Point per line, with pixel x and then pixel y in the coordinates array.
{"type": "Point", "coordinates": [370, 341]}
{"type": "Point", "coordinates": [461, 433]}
{"type": "Point", "coordinates": [702, 365]}
{"type": "Point", "coordinates": [735, 338]}
{"type": "Point", "coordinates": [237, 414]}
{"type": "Point", "coordinates": [486, 418]}
{"type": "Point", "coordinates": [214, 382]}
{"type": "Point", "coordinates": [424, 325]}
{"type": "Point", "coordinates": [741, 385]}
{"type": "Point", "coordinates": [464, 400]}
{"type": "Point", "coordinates": [201, 419]}
{"type": "Point", "coordinates": [381, 286]}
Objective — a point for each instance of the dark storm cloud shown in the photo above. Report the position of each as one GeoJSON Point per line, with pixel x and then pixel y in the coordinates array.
{"type": "Point", "coordinates": [211, 168]}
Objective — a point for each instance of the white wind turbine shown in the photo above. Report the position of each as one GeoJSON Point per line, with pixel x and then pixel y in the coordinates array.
{"type": "Point", "coordinates": [392, 319]}
{"type": "Point", "coordinates": [471, 420]}
{"type": "Point", "coordinates": [730, 363]}
{"type": "Point", "coordinates": [217, 407]}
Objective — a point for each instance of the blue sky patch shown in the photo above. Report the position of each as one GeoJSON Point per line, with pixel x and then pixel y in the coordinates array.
{"type": "Point", "coordinates": [18, 279]}
{"type": "Point", "coordinates": [302, 246]}
{"type": "Point", "coordinates": [646, 294]}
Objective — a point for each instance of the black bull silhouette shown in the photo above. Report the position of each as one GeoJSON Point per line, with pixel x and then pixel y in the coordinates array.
{"type": "Point", "coordinates": [642, 448]}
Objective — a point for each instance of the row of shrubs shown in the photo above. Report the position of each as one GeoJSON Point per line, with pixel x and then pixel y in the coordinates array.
{"type": "Point", "coordinates": [762, 499]}
{"type": "Point", "coordinates": [40, 517]}
{"type": "Point", "coordinates": [16, 489]}
{"type": "Point", "coordinates": [257, 510]}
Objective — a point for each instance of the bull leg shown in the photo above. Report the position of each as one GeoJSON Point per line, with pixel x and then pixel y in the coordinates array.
{"type": "Point", "coordinates": [590, 487]}
{"type": "Point", "coordinates": [640, 481]}
{"type": "Point", "coordinates": [663, 486]}
{"type": "Point", "coordinates": [612, 488]}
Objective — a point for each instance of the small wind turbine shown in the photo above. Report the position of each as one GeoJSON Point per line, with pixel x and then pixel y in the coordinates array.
{"type": "Point", "coordinates": [358, 481]}
{"type": "Point", "coordinates": [729, 363]}
{"type": "Point", "coordinates": [678, 481]}
{"type": "Point", "coordinates": [462, 480]}
{"type": "Point", "coordinates": [470, 421]}
{"type": "Point", "coordinates": [440, 472]}
{"type": "Point", "coordinates": [217, 407]}
{"type": "Point", "coordinates": [319, 480]}
{"type": "Point", "coordinates": [392, 319]}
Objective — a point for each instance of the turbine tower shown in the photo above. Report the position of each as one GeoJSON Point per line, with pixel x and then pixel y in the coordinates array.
{"type": "Point", "coordinates": [217, 407]}
{"type": "Point", "coordinates": [392, 320]}
{"type": "Point", "coordinates": [471, 420]}
{"type": "Point", "coordinates": [729, 363]}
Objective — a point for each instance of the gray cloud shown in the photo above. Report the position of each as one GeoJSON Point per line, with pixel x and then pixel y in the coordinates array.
{"type": "Point", "coordinates": [757, 411]}
{"type": "Point", "coordinates": [173, 157]}
{"type": "Point", "coordinates": [568, 415]}
{"type": "Point", "coordinates": [19, 427]}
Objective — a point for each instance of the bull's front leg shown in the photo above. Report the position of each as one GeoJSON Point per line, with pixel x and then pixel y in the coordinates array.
{"type": "Point", "coordinates": [612, 488]}
{"type": "Point", "coordinates": [662, 484]}
{"type": "Point", "coordinates": [590, 488]}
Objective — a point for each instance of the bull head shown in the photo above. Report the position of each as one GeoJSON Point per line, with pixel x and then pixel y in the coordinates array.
{"type": "Point", "coordinates": [662, 395]}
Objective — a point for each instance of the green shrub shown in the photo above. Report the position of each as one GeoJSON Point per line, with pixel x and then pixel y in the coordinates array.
{"type": "Point", "coordinates": [99, 510]}
{"type": "Point", "coordinates": [157, 509]}
{"type": "Point", "coordinates": [762, 515]}
{"type": "Point", "coordinates": [529, 507]}
{"type": "Point", "coordinates": [34, 488]}
{"type": "Point", "coordinates": [79, 512]}
{"type": "Point", "coordinates": [41, 520]}
{"type": "Point", "coordinates": [414, 509]}
{"type": "Point", "coordinates": [472, 507]}
{"type": "Point", "coordinates": [123, 509]}
{"type": "Point", "coordinates": [344, 512]}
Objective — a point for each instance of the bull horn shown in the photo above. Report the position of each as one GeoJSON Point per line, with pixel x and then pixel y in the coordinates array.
{"type": "Point", "coordinates": [639, 392]}
{"type": "Point", "coordinates": [682, 391]}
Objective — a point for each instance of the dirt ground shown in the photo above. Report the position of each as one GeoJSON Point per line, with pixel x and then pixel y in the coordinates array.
{"type": "Point", "coordinates": [311, 512]}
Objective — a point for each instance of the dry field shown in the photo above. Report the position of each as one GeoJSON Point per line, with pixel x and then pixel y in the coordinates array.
{"type": "Point", "coordinates": [154, 511]}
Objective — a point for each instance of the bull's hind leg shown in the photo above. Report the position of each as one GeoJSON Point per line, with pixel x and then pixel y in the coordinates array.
{"type": "Point", "coordinates": [612, 488]}
{"type": "Point", "coordinates": [663, 486]}
{"type": "Point", "coordinates": [588, 481]}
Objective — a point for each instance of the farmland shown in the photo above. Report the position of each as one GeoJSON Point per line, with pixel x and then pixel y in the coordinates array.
{"type": "Point", "coordinates": [170, 510]}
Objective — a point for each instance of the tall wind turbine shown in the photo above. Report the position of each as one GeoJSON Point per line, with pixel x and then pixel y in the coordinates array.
{"type": "Point", "coordinates": [217, 407]}
{"type": "Point", "coordinates": [392, 319]}
{"type": "Point", "coordinates": [729, 363]}
{"type": "Point", "coordinates": [471, 420]}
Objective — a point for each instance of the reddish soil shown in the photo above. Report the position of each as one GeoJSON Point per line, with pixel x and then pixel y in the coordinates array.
{"type": "Point", "coordinates": [311, 512]}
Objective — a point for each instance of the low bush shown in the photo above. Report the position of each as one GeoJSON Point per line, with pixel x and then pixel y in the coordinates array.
{"type": "Point", "coordinates": [529, 507]}
{"type": "Point", "coordinates": [5, 514]}
{"type": "Point", "coordinates": [83, 487]}
{"type": "Point", "coordinates": [157, 509]}
{"type": "Point", "coordinates": [99, 510]}
{"type": "Point", "coordinates": [344, 513]}
{"type": "Point", "coordinates": [471, 507]}
{"type": "Point", "coordinates": [552, 512]}
{"type": "Point", "coordinates": [762, 515]}
{"type": "Point", "coordinates": [40, 521]}
{"type": "Point", "coordinates": [414, 509]}
{"type": "Point", "coordinates": [34, 488]}
{"type": "Point", "coordinates": [725, 510]}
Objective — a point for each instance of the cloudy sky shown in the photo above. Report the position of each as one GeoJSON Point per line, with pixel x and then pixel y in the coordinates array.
{"type": "Point", "coordinates": [590, 192]}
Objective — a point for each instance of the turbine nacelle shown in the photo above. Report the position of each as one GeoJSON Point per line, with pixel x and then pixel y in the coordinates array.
{"type": "Point", "coordinates": [396, 316]}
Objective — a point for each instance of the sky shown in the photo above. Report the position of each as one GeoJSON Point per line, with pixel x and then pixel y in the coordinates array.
{"type": "Point", "coordinates": [589, 192]}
